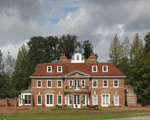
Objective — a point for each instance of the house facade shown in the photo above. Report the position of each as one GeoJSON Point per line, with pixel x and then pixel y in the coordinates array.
{"type": "Point", "coordinates": [76, 82]}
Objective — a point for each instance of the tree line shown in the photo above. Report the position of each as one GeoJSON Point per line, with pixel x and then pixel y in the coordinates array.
{"type": "Point", "coordinates": [133, 60]}
{"type": "Point", "coordinates": [14, 74]}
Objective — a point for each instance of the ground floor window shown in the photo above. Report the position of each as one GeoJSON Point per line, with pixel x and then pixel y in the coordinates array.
{"type": "Point", "coordinates": [49, 100]}
{"type": "Point", "coordinates": [69, 100]}
{"type": "Point", "coordinates": [105, 100]}
{"type": "Point", "coordinates": [59, 100]}
{"type": "Point", "coordinates": [116, 99]}
{"type": "Point", "coordinates": [94, 99]}
{"type": "Point", "coordinates": [39, 100]}
{"type": "Point", "coordinates": [84, 100]}
{"type": "Point", "coordinates": [27, 99]}
{"type": "Point", "coordinates": [76, 99]}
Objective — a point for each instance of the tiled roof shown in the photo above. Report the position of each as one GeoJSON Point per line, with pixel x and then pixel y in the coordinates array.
{"type": "Point", "coordinates": [70, 67]}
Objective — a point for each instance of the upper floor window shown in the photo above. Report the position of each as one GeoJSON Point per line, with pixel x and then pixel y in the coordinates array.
{"type": "Point", "coordinates": [105, 68]}
{"type": "Point", "coordinates": [94, 83]}
{"type": "Point", "coordinates": [105, 83]}
{"type": "Point", "coordinates": [116, 83]}
{"type": "Point", "coordinates": [70, 83]}
{"type": "Point", "coordinates": [59, 84]}
{"type": "Point", "coordinates": [59, 68]}
{"type": "Point", "coordinates": [83, 83]}
{"type": "Point", "coordinates": [49, 68]}
{"type": "Point", "coordinates": [49, 83]}
{"type": "Point", "coordinates": [94, 68]}
{"type": "Point", "coordinates": [77, 57]}
{"type": "Point", "coordinates": [39, 83]}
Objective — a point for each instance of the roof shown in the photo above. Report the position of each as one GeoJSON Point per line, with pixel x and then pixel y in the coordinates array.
{"type": "Point", "coordinates": [26, 91]}
{"type": "Point", "coordinates": [70, 67]}
{"type": "Point", "coordinates": [130, 87]}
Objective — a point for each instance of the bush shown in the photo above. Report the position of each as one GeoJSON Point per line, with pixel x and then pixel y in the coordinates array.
{"type": "Point", "coordinates": [96, 105]}
{"type": "Point", "coordinates": [65, 105]}
{"type": "Point", "coordinates": [57, 105]}
{"type": "Point", "coordinates": [9, 104]}
{"type": "Point", "coordinates": [76, 106]}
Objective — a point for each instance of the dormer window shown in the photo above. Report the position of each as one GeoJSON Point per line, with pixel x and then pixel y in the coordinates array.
{"type": "Point", "coordinates": [105, 68]}
{"type": "Point", "coordinates": [59, 68]}
{"type": "Point", "coordinates": [77, 57]}
{"type": "Point", "coordinates": [49, 68]}
{"type": "Point", "coordinates": [94, 68]}
{"type": "Point", "coordinates": [72, 57]}
{"type": "Point", "coordinates": [82, 58]}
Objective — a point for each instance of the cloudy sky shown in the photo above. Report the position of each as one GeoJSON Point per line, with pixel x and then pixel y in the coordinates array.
{"type": "Point", "coordinates": [94, 20]}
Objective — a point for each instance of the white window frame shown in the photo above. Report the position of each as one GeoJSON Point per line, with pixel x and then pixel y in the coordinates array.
{"type": "Point", "coordinates": [96, 83]}
{"type": "Point", "coordinates": [96, 100]}
{"type": "Point", "coordinates": [51, 69]}
{"type": "Point", "coordinates": [93, 68]}
{"type": "Point", "coordinates": [47, 84]}
{"type": "Point", "coordinates": [49, 100]}
{"type": "Point", "coordinates": [68, 100]}
{"type": "Point", "coordinates": [84, 83]}
{"type": "Point", "coordinates": [103, 84]}
{"type": "Point", "coordinates": [57, 83]}
{"type": "Point", "coordinates": [58, 69]}
{"type": "Point", "coordinates": [57, 99]}
{"type": "Point", "coordinates": [38, 100]}
{"type": "Point", "coordinates": [117, 99]}
{"type": "Point", "coordinates": [41, 84]}
{"type": "Point", "coordinates": [69, 83]}
{"type": "Point", "coordinates": [114, 83]}
{"type": "Point", "coordinates": [103, 68]}
{"type": "Point", "coordinates": [27, 99]}
{"type": "Point", "coordinates": [85, 99]}
{"type": "Point", "coordinates": [105, 99]}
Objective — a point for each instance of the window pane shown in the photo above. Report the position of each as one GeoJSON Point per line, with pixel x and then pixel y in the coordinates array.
{"type": "Point", "coordinates": [83, 83]}
{"type": "Point", "coordinates": [49, 83]}
{"type": "Point", "coordinates": [39, 83]}
{"type": "Point", "coordinates": [39, 99]}
{"type": "Point", "coordinates": [59, 99]}
{"type": "Point", "coordinates": [47, 99]}
{"type": "Point", "coordinates": [83, 99]}
{"type": "Point", "coordinates": [70, 84]}
{"type": "Point", "coordinates": [59, 83]}
{"type": "Point", "coordinates": [69, 99]}
{"type": "Point", "coordinates": [115, 82]}
{"type": "Point", "coordinates": [94, 83]}
{"type": "Point", "coordinates": [94, 99]}
{"type": "Point", "coordinates": [51, 99]}
{"type": "Point", "coordinates": [27, 99]}
{"type": "Point", "coordinates": [74, 99]}
{"type": "Point", "coordinates": [105, 83]}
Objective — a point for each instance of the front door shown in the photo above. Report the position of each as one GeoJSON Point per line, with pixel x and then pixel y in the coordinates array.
{"type": "Point", "coordinates": [105, 99]}
{"type": "Point", "coordinates": [49, 100]}
{"type": "Point", "coordinates": [77, 101]}
{"type": "Point", "coordinates": [77, 84]}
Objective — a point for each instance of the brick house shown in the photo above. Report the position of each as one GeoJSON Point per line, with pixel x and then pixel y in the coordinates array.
{"type": "Point", "coordinates": [77, 81]}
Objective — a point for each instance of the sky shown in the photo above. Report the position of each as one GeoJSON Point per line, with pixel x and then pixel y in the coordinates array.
{"type": "Point", "coordinates": [95, 20]}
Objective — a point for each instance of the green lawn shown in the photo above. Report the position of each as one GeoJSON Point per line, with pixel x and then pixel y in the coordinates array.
{"type": "Point", "coordinates": [71, 114]}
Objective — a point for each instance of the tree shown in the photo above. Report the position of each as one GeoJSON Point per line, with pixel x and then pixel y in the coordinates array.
{"type": "Point", "coordinates": [115, 51]}
{"type": "Point", "coordinates": [20, 77]}
{"type": "Point", "coordinates": [147, 42]}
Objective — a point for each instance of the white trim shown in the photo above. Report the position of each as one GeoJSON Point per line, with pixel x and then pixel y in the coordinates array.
{"type": "Point", "coordinates": [96, 83]}
{"type": "Point", "coordinates": [69, 83]}
{"type": "Point", "coordinates": [96, 99]}
{"type": "Point", "coordinates": [38, 101]}
{"type": "Point", "coordinates": [107, 84]}
{"type": "Point", "coordinates": [113, 83]}
{"type": "Point", "coordinates": [51, 69]}
{"type": "Point", "coordinates": [47, 84]}
{"type": "Point", "coordinates": [37, 83]}
{"type": "Point", "coordinates": [49, 100]}
{"type": "Point", "coordinates": [117, 99]}
{"type": "Point", "coordinates": [61, 99]}
{"type": "Point", "coordinates": [106, 68]}
{"type": "Point", "coordinates": [57, 83]}
{"type": "Point", "coordinates": [96, 68]}
{"type": "Point", "coordinates": [84, 83]}
{"type": "Point", "coordinates": [58, 67]}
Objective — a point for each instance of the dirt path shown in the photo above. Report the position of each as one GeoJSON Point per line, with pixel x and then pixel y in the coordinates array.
{"type": "Point", "coordinates": [133, 118]}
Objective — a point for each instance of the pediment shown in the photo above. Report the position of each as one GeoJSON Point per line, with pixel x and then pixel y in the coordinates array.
{"type": "Point", "coordinates": [76, 73]}
{"type": "Point", "coordinates": [106, 91]}
{"type": "Point", "coordinates": [49, 92]}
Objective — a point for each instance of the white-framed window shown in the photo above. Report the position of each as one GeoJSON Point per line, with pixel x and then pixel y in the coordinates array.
{"type": "Point", "coordinates": [105, 100]}
{"type": "Point", "coordinates": [69, 100]}
{"type": "Point", "coordinates": [49, 68]}
{"type": "Point", "coordinates": [27, 99]}
{"type": "Point", "coordinates": [70, 83]}
{"type": "Point", "coordinates": [116, 99]}
{"type": "Point", "coordinates": [59, 83]}
{"type": "Point", "coordinates": [94, 68]}
{"type": "Point", "coordinates": [116, 83]}
{"type": "Point", "coordinates": [59, 99]}
{"type": "Point", "coordinates": [105, 68]}
{"type": "Point", "coordinates": [39, 99]}
{"type": "Point", "coordinates": [39, 83]}
{"type": "Point", "coordinates": [59, 68]}
{"type": "Point", "coordinates": [95, 100]}
{"type": "Point", "coordinates": [83, 83]}
{"type": "Point", "coordinates": [49, 100]}
{"type": "Point", "coordinates": [94, 83]}
{"type": "Point", "coordinates": [105, 83]}
{"type": "Point", "coordinates": [84, 99]}
{"type": "Point", "coordinates": [49, 83]}
{"type": "Point", "coordinates": [77, 57]}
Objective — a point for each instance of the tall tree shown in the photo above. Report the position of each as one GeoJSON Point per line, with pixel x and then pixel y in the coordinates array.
{"type": "Point", "coordinates": [115, 51]}
{"type": "Point", "coordinates": [147, 42]}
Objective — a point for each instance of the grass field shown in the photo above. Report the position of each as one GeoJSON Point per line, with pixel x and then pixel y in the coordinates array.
{"type": "Point", "coordinates": [71, 114]}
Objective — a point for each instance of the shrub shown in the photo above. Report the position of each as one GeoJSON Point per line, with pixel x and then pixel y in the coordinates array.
{"type": "Point", "coordinates": [76, 106]}
{"type": "Point", "coordinates": [96, 105]}
{"type": "Point", "coordinates": [9, 104]}
{"type": "Point", "coordinates": [57, 105]}
{"type": "Point", "coordinates": [65, 105]}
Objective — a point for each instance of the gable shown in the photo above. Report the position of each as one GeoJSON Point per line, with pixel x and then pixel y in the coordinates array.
{"type": "Point", "coordinates": [76, 73]}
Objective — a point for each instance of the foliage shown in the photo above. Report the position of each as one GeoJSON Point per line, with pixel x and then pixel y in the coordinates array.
{"type": "Point", "coordinates": [147, 42]}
